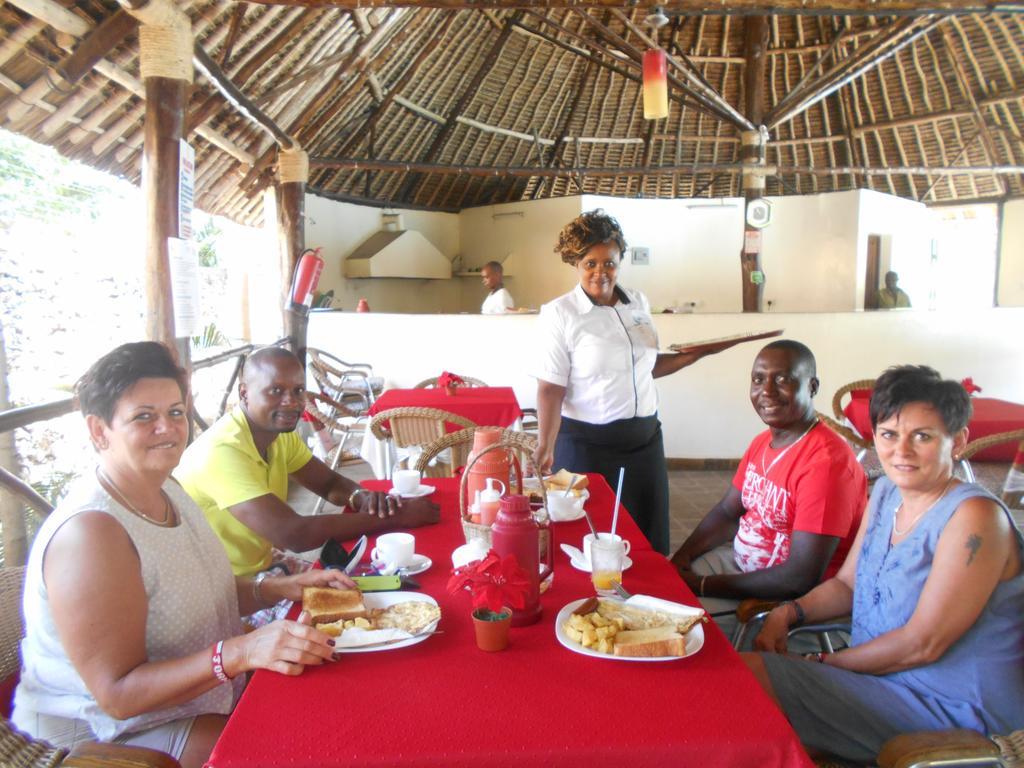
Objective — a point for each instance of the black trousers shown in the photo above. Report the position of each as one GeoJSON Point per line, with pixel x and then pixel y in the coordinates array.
{"type": "Point", "coordinates": [635, 444]}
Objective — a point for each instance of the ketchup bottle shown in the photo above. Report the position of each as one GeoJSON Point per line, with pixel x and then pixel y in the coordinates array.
{"type": "Point", "coordinates": [515, 532]}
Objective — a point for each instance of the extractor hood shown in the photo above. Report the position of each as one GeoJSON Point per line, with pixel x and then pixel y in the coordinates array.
{"type": "Point", "coordinates": [397, 252]}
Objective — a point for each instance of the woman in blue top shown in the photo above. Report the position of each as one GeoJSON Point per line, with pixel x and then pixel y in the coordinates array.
{"type": "Point", "coordinates": [935, 585]}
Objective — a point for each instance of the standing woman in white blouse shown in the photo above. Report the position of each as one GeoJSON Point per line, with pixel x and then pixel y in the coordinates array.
{"type": "Point", "coordinates": [596, 400]}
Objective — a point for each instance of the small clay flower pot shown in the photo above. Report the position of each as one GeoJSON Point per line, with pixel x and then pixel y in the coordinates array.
{"type": "Point", "coordinates": [492, 629]}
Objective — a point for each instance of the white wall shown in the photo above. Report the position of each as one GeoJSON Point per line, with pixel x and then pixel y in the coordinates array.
{"type": "Point", "coordinates": [523, 244]}
{"type": "Point", "coordinates": [695, 248]}
{"type": "Point", "coordinates": [810, 253]}
{"type": "Point", "coordinates": [340, 227]}
{"type": "Point", "coordinates": [906, 227]}
{"type": "Point", "coordinates": [1011, 259]}
{"type": "Point", "coordinates": [705, 408]}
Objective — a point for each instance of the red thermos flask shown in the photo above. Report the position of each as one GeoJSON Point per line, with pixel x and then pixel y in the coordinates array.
{"type": "Point", "coordinates": [515, 532]}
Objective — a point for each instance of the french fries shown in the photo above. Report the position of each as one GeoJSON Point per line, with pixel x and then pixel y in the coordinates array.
{"type": "Point", "coordinates": [592, 630]}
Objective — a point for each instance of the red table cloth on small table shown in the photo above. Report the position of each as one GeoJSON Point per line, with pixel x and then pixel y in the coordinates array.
{"type": "Point", "coordinates": [990, 417]}
{"type": "Point", "coordinates": [486, 406]}
{"type": "Point", "coordinates": [443, 702]}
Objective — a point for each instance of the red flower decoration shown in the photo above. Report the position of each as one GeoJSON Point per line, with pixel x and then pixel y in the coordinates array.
{"type": "Point", "coordinates": [970, 386]}
{"type": "Point", "coordinates": [449, 380]}
{"type": "Point", "coordinates": [493, 582]}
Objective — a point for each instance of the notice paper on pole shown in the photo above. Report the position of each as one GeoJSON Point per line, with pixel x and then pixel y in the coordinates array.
{"type": "Point", "coordinates": [184, 263]}
{"type": "Point", "coordinates": [186, 188]}
{"type": "Point", "coordinates": [752, 241]}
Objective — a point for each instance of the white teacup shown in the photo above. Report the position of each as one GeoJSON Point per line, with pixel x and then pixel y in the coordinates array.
{"type": "Point", "coordinates": [406, 481]}
{"type": "Point", "coordinates": [394, 549]}
{"type": "Point", "coordinates": [604, 535]}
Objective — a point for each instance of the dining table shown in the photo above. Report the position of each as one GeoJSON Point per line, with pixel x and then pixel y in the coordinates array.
{"type": "Point", "coordinates": [484, 406]}
{"type": "Point", "coordinates": [989, 416]}
{"type": "Point", "coordinates": [444, 702]}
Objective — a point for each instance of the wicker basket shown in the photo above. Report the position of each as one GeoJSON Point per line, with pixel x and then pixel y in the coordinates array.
{"type": "Point", "coordinates": [473, 530]}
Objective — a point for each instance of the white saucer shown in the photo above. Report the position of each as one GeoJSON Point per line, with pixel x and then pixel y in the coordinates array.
{"type": "Point", "coordinates": [419, 564]}
{"type": "Point", "coordinates": [585, 567]}
{"type": "Point", "coordinates": [423, 490]}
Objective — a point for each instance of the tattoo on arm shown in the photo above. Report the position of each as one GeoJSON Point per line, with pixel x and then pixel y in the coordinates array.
{"type": "Point", "coordinates": [973, 544]}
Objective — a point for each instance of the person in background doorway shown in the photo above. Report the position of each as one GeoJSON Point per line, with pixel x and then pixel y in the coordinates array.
{"type": "Point", "coordinates": [892, 297]}
{"type": "Point", "coordinates": [499, 300]}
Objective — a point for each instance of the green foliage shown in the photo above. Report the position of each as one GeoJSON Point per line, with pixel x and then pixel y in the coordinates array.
{"type": "Point", "coordinates": [43, 185]}
{"type": "Point", "coordinates": [206, 239]}
{"type": "Point", "coordinates": [54, 486]}
{"type": "Point", "coordinates": [323, 300]}
{"type": "Point", "coordinates": [210, 336]}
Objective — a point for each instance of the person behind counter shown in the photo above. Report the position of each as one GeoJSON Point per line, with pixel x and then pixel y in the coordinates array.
{"type": "Point", "coordinates": [935, 583]}
{"type": "Point", "coordinates": [596, 401]}
{"type": "Point", "coordinates": [132, 617]}
{"type": "Point", "coordinates": [892, 296]}
{"type": "Point", "coordinates": [499, 300]}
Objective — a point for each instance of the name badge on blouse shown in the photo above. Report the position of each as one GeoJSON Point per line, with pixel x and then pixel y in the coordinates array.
{"type": "Point", "coordinates": [640, 317]}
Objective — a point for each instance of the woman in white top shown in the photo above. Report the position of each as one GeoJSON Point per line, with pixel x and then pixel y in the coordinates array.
{"type": "Point", "coordinates": [597, 404]}
{"type": "Point", "coordinates": [132, 619]}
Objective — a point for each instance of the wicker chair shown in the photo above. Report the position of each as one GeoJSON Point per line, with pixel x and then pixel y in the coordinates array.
{"type": "Point", "coordinates": [1013, 499]}
{"type": "Point", "coordinates": [416, 427]}
{"type": "Point", "coordinates": [459, 443]}
{"type": "Point", "coordinates": [352, 384]}
{"type": "Point", "coordinates": [837, 398]}
{"type": "Point", "coordinates": [468, 381]}
{"type": "Point", "coordinates": [20, 751]}
{"type": "Point", "coordinates": [955, 747]}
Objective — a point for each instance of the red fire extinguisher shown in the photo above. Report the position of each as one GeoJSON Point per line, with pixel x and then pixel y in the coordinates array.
{"type": "Point", "coordinates": [305, 279]}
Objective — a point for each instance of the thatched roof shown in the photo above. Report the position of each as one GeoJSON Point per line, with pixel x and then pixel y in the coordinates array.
{"type": "Point", "coordinates": [438, 99]}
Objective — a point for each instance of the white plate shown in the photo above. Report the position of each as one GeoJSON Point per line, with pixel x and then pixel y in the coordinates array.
{"type": "Point", "coordinates": [694, 639]}
{"type": "Point", "coordinates": [419, 564]}
{"type": "Point", "coordinates": [423, 490]}
{"type": "Point", "coordinates": [627, 563]}
{"type": "Point", "coordinates": [384, 600]}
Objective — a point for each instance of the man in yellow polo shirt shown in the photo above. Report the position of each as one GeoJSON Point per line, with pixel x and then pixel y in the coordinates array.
{"type": "Point", "coordinates": [238, 471]}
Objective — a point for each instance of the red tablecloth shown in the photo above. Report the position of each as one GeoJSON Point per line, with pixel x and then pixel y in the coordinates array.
{"type": "Point", "coordinates": [486, 406]}
{"type": "Point", "coordinates": [443, 702]}
{"type": "Point", "coordinates": [990, 417]}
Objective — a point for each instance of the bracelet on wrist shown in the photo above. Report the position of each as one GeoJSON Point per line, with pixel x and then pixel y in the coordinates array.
{"type": "Point", "coordinates": [217, 662]}
{"type": "Point", "coordinates": [816, 657]}
{"type": "Point", "coordinates": [801, 617]}
{"type": "Point", "coordinates": [257, 583]}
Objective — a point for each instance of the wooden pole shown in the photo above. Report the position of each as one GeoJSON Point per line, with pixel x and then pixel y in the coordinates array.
{"type": "Point", "coordinates": [165, 62]}
{"type": "Point", "coordinates": [752, 155]}
{"type": "Point", "coordinates": [292, 175]}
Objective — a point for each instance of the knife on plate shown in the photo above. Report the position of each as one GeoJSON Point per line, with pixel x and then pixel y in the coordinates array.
{"type": "Point", "coordinates": [385, 583]}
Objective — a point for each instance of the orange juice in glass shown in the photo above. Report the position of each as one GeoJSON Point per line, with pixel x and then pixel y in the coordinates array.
{"type": "Point", "coordinates": [606, 559]}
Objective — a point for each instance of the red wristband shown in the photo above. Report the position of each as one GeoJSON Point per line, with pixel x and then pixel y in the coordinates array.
{"type": "Point", "coordinates": [217, 662]}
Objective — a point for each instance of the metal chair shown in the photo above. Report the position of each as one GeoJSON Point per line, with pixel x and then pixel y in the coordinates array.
{"type": "Point", "coordinates": [352, 384]}
{"type": "Point", "coordinates": [21, 750]}
{"type": "Point", "coordinates": [411, 427]}
{"type": "Point", "coordinates": [753, 611]}
{"type": "Point", "coordinates": [342, 423]}
{"type": "Point", "coordinates": [468, 381]}
{"type": "Point", "coordinates": [460, 442]}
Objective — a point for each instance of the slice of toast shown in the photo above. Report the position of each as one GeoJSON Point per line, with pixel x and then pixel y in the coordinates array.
{"type": "Point", "coordinates": [659, 641]}
{"type": "Point", "coordinates": [326, 605]}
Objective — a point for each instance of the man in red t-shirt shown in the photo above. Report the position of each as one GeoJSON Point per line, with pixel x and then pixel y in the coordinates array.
{"type": "Point", "coordinates": [791, 514]}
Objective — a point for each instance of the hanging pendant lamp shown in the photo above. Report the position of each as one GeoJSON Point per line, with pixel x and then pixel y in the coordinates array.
{"type": "Point", "coordinates": [655, 71]}
{"type": "Point", "coordinates": [655, 84]}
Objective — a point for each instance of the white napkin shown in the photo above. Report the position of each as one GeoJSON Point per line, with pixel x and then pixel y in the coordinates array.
{"type": "Point", "coordinates": [649, 603]}
{"type": "Point", "coordinates": [355, 637]}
